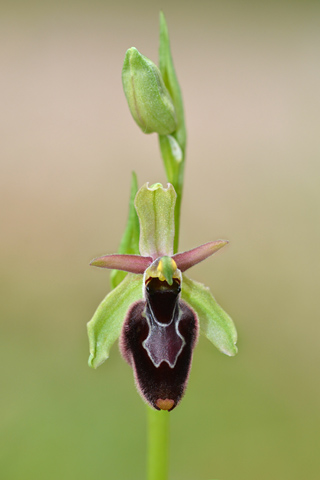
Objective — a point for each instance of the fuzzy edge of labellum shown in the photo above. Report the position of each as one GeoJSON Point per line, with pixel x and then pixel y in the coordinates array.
{"type": "Point", "coordinates": [128, 355]}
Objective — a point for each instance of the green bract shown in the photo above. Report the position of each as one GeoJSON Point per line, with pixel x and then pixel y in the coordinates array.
{"type": "Point", "coordinates": [130, 238]}
{"type": "Point", "coordinates": [148, 98]}
{"type": "Point", "coordinates": [156, 310]}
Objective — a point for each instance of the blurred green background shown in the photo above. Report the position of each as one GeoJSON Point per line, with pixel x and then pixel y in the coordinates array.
{"type": "Point", "coordinates": [250, 77]}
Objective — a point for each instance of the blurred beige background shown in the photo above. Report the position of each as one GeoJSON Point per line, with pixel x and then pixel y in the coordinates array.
{"type": "Point", "coordinates": [250, 77]}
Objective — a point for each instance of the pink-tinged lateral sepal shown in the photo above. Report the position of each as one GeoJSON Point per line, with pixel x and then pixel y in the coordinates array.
{"type": "Point", "coordinates": [128, 263]}
{"type": "Point", "coordinates": [190, 258]}
{"type": "Point", "coordinates": [158, 344]}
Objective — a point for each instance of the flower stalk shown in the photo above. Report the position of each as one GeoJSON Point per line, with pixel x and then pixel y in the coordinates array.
{"type": "Point", "coordinates": [172, 147]}
{"type": "Point", "coordinates": [158, 445]}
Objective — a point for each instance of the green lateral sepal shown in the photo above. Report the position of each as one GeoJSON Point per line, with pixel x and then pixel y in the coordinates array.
{"type": "Point", "coordinates": [215, 323]}
{"type": "Point", "coordinates": [105, 326]}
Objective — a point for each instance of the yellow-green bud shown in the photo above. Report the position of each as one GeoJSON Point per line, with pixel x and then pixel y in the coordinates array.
{"type": "Point", "coordinates": [148, 98]}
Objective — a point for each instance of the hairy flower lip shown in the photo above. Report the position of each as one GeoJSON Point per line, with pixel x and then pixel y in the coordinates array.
{"type": "Point", "coordinates": [158, 380]}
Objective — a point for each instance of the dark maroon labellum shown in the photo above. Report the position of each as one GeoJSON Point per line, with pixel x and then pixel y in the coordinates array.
{"type": "Point", "coordinates": [157, 340]}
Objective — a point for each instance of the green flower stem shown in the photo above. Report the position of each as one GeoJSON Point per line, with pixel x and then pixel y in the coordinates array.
{"type": "Point", "coordinates": [158, 445]}
{"type": "Point", "coordinates": [173, 155]}
{"type": "Point", "coordinates": [174, 173]}
{"type": "Point", "coordinates": [172, 147]}
{"type": "Point", "coordinates": [178, 187]}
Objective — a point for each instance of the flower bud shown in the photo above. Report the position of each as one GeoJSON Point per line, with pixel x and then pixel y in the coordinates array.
{"type": "Point", "coordinates": [148, 98]}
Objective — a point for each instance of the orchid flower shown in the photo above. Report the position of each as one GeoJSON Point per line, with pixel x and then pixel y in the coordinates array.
{"type": "Point", "coordinates": [157, 311]}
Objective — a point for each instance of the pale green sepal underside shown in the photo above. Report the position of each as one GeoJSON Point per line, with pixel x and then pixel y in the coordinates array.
{"type": "Point", "coordinates": [214, 322]}
{"type": "Point", "coordinates": [155, 209]}
{"type": "Point", "coordinates": [130, 240]}
{"type": "Point", "coordinates": [105, 326]}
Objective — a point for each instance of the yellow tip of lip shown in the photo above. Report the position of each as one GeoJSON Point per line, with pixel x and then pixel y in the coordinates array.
{"type": "Point", "coordinates": [166, 404]}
